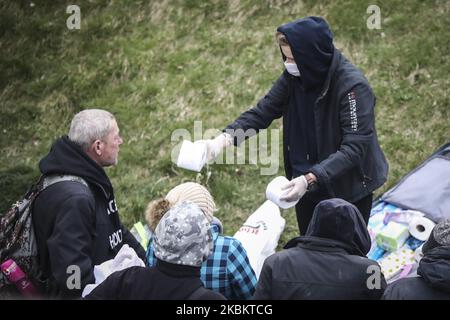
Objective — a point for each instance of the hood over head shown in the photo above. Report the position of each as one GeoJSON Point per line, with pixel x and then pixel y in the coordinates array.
{"type": "Point", "coordinates": [339, 220]}
{"type": "Point", "coordinates": [66, 157]}
{"type": "Point", "coordinates": [311, 42]}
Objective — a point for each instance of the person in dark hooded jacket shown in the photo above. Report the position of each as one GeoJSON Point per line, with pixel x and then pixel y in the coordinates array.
{"type": "Point", "coordinates": [330, 142]}
{"type": "Point", "coordinates": [329, 262]}
{"type": "Point", "coordinates": [77, 226]}
{"type": "Point", "coordinates": [433, 281]}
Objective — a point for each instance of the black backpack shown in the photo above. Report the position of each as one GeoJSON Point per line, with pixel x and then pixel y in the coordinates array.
{"type": "Point", "coordinates": [17, 237]}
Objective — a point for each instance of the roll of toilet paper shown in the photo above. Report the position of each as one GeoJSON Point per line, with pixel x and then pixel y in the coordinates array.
{"type": "Point", "coordinates": [274, 192]}
{"type": "Point", "coordinates": [192, 155]}
{"type": "Point", "coordinates": [421, 227]}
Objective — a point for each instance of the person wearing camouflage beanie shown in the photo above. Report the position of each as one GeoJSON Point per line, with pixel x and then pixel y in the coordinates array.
{"type": "Point", "coordinates": [182, 242]}
{"type": "Point", "coordinates": [227, 270]}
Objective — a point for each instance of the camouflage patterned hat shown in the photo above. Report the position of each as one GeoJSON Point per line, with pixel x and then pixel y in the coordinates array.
{"type": "Point", "coordinates": [183, 236]}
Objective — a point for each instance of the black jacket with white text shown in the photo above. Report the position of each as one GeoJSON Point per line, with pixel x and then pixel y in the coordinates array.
{"type": "Point", "coordinates": [76, 226]}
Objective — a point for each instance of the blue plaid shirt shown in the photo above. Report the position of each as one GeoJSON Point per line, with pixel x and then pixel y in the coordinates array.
{"type": "Point", "coordinates": [227, 270]}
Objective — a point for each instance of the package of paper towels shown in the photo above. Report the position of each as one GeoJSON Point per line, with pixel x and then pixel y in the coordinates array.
{"type": "Point", "coordinates": [192, 155]}
{"type": "Point", "coordinates": [392, 236]}
{"type": "Point", "coordinates": [274, 192]}
{"type": "Point", "coordinates": [421, 227]}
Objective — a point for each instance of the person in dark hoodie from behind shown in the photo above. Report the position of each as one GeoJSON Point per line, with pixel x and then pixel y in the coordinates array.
{"type": "Point", "coordinates": [329, 262]}
{"type": "Point", "coordinates": [329, 138]}
{"type": "Point", "coordinates": [433, 280]}
{"type": "Point", "coordinates": [78, 224]}
{"type": "Point", "coordinates": [182, 242]}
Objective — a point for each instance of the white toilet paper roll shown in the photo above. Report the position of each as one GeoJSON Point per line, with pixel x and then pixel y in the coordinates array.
{"type": "Point", "coordinates": [274, 192]}
{"type": "Point", "coordinates": [192, 155]}
{"type": "Point", "coordinates": [421, 227]}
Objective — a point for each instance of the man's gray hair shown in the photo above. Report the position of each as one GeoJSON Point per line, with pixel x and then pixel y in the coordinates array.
{"type": "Point", "coordinates": [90, 125]}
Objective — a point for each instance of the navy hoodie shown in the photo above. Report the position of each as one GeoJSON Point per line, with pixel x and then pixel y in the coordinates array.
{"type": "Point", "coordinates": [311, 42]}
{"type": "Point", "coordinates": [341, 222]}
{"type": "Point", "coordinates": [74, 224]}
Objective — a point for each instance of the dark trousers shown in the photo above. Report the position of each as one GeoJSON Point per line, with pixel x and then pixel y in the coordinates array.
{"type": "Point", "coordinates": [305, 209]}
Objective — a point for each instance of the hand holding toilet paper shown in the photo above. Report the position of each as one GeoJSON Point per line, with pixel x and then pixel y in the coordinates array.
{"type": "Point", "coordinates": [296, 188]}
{"type": "Point", "coordinates": [280, 187]}
{"type": "Point", "coordinates": [194, 155]}
{"type": "Point", "coordinates": [216, 145]}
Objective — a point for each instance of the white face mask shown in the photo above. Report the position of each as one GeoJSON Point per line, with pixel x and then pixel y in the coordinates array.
{"type": "Point", "coordinates": [292, 69]}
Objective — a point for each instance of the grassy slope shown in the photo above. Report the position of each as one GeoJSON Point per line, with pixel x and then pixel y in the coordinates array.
{"type": "Point", "coordinates": [160, 65]}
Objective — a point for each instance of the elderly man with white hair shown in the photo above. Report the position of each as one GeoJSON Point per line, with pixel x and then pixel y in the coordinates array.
{"type": "Point", "coordinates": [76, 218]}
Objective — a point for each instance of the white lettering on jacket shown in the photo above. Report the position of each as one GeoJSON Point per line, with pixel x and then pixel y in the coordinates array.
{"type": "Point", "coordinates": [115, 238]}
{"type": "Point", "coordinates": [352, 104]}
{"type": "Point", "coordinates": [111, 208]}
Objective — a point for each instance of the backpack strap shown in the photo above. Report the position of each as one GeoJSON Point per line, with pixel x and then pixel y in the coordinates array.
{"type": "Point", "coordinates": [52, 179]}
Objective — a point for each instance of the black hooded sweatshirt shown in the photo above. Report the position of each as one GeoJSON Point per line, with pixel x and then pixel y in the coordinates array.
{"type": "Point", "coordinates": [311, 42]}
{"type": "Point", "coordinates": [76, 225]}
{"type": "Point", "coordinates": [165, 281]}
{"type": "Point", "coordinates": [328, 263]}
{"type": "Point", "coordinates": [433, 282]}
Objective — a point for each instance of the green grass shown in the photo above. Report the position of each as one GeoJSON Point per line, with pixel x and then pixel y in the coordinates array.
{"type": "Point", "coordinates": [161, 65]}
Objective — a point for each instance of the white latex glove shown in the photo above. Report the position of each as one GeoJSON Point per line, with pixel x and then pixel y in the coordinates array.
{"type": "Point", "coordinates": [216, 145]}
{"type": "Point", "coordinates": [295, 189]}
